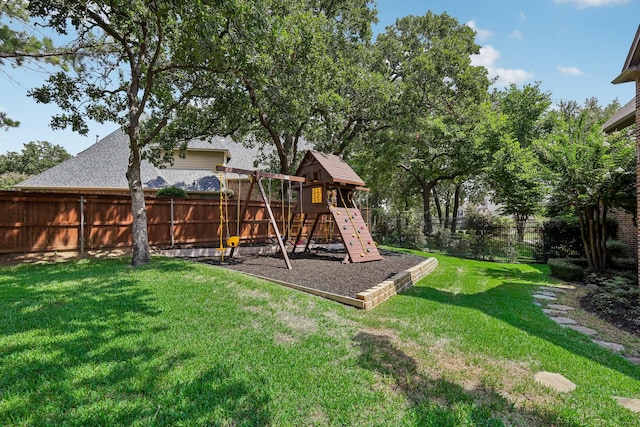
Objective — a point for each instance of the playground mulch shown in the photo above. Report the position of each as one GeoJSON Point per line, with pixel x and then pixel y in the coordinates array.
{"type": "Point", "coordinates": [323, 271]}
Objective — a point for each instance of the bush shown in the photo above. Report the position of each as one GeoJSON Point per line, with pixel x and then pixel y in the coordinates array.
{"type": "Point", "coordinates": [487, 224]}
{"type": "Point", "coordinates": [616, 249]}
{"type": "Point", "coordinates": [617, 299]}
{"type": "Point", "coordinates": [172, 191]}
{"type": "Point", "coordinates": [569, 269]}
{"type": "Point", "coordinates": [624, 264]}
{"type": "Point", "coordinates": [561, 238]}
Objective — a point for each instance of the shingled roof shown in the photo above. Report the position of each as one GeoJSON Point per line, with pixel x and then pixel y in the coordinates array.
{"type": "Point", "coordinates": [335, 167]}
{"type": "Point", "coordinates": [624, 117]}
{"type": "Point", "coordinates": [631, 67]}
{"type": "Point", "coordinates": [104, 164]}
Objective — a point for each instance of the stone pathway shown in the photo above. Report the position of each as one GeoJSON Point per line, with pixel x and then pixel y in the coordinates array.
{"type": "Point", "coordinates": [559, 313]}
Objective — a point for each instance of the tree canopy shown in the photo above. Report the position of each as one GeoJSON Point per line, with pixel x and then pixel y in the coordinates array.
{"type": "Point", "coordinates": [514, 171]}
{"type": "Point", "coordinates": [34, 158]}
{"type": "Point", "coordinates": [135, 59]}
{"type": "Point", "coordinates": [590, 172]}
{"type": "Point", "coordinates": [438, 103]}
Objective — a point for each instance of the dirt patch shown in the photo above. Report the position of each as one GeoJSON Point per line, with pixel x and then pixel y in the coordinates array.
{"type": "Point", "coordinates": [323, 271]}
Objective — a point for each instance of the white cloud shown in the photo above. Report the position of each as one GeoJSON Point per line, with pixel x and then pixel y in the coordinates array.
{"type": "Point", "coordinates": [516, 35]}
{"type": "Point", "coordinates": [522, 17]}
{"type": "Point", "coordinates": [488, 57]}
{"type": "Point", "coordinates": [506, 76]}
{"type": "Point", "coordinates": [482, 34]}
{"type": "Point", "coordinates": [582, 4]}
{"type": "Point", "coordinates": [570, 71]}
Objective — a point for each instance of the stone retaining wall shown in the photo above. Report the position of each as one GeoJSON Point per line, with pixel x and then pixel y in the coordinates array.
{"type": "Point", "coordinates": [396, 284]}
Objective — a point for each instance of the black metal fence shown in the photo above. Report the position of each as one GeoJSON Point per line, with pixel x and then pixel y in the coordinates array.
{"type": "Point", "coordinates": [481, 237]}
{"type": "Point", "coordinates": [505, 242]}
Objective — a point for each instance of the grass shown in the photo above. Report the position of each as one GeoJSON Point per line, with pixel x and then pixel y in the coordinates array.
{"type": "Point", "coordinates": [95, 342]}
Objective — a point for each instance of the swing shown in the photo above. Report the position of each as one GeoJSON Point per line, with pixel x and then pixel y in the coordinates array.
{"type": "Point", "coordinates": [231, 241]}
{"type": "Point", "coordinates": [285, 213]}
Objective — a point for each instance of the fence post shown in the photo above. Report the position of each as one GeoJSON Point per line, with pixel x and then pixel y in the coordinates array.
{"type": "Point", "coordinates": [82, 226]}
{"type": "Point", "coordinates": [172, 226]}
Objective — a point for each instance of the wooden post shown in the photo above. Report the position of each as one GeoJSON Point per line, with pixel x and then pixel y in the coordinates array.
{"type": "Point", "coordinates": [173, 239]}
{"type": "Point", "coordinates": [274, 224]}
{"type": "Point", "coordinates": [299, 235]}
{"type": "Point", "coordinates": [313, 230]}
{"type": "Point", "coordinates": [82, 242]}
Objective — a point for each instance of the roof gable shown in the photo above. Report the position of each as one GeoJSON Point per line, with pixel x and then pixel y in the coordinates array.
{"type": "Point", "coordinates": [631, 69]}
{"type": "Point", "coordinates": [334, 166]}
{"type": "Point", "coordinates": [104, 165]}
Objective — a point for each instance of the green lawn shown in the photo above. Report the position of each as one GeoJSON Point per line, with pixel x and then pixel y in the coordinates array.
{"type": "Point", "coordinates": [96, 342]}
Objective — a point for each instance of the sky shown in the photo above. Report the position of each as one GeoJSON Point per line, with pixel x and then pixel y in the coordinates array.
{"type": "Point", "coordinates": [574, 48]}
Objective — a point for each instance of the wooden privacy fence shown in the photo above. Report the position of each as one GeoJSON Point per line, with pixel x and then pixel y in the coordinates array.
{"type": "Point", "coordinates": [41, 222]}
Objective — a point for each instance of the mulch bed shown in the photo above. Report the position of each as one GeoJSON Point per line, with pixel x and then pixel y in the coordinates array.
{"type": "Point", "coordinates": [323, 271]}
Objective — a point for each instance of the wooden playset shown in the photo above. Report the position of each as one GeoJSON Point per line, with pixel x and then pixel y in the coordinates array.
{"type": "Point", "coordinates": [326, 186]}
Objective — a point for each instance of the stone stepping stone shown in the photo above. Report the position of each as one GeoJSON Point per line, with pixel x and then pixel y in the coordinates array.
{"type": "Point", "coordinates": [564, 320]}
{"type": "Point", "coordinates": [610, 345]}
{"type": "Point", "coordinates": [544, 297]}
{"type": "Point", "coordinates": [548, 294]}
{"type": "Point", "coordinates": [560, 307]}
{"type": "Point", "coordinates": [581, 329]}
{"type": "Point", "coordinates": [553, 312]}
{"type": "Point", "coordinates": [551, 289]}
{"type": "Point", "coordinates": [634, 360]}
{"type": "Point", "coordinates": [555, 381]}
{"type": "Point", "coordinates": [630, 404]}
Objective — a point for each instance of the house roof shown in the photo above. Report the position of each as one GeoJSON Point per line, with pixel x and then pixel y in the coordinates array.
{"type": "Point", "coordinates": [624, 117]}
{"type": "Point", "coordinates": [104, 164]}
{"type": "Point", "coordinates": [337, 168]}
{"type": "Point", "coordinates": [631, 69]}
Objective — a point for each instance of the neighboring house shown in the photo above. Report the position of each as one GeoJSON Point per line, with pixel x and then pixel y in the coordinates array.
{"type": "Point", "coordinates": [624, 117]}
{"type": "Point", "coordinates": [101, 168]}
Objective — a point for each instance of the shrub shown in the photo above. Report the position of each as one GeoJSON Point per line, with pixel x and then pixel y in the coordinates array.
{"type": "Point", "coordinates": [616, 248]}
{"type": "Point", "coordinates": [624, 264]}
{"type": "Point", "coordinates": [172, 191]}
{"type": "Point", "coordinates": [561, 237]}
{"type": "Point", "coordinates": [441, 239]}
{"type": "Point", "coordinates": [569, 269]}
{"type": "Point", "coordinates": [617, 299]}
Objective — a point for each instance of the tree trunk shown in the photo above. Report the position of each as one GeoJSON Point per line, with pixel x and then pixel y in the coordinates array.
{"type": "Point", "coordinates": [594, 236]}
{"type": "Point", "coordinates": [582, 221]}
{"type": "Point", "coordinates": [447, 210]}
{"type": "Point", "coordinates": [426, 206]}
{"type": "Point", "coordinates": [521, 221]}
{"type": "Point", "coordinates": [456, 205]}
{"type": "Point", "coordinates": [140, 236]}
{"type": "Point", "coordinates": [436, 201]}
{"type": "Point", "coordinates": [603, 238]}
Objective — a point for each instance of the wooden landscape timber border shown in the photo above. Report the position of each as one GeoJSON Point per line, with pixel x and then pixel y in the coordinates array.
{"type": "Point", "coordinates": [34, 222]}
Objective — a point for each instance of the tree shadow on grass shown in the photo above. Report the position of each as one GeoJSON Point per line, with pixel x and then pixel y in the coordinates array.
{"type": "Point", "coordinates": [436, 401]}
{"type": "Point", "coordinates": [511, 302]}
{"type": "Point", "coordinates": [78, 347]}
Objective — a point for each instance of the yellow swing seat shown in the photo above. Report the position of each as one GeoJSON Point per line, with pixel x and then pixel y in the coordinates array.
{"type": "Point", "coordinates": [233, 241]}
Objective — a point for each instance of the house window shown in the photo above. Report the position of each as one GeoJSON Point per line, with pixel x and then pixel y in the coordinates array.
{"type": "Point", "coordinates": [316, 195]}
